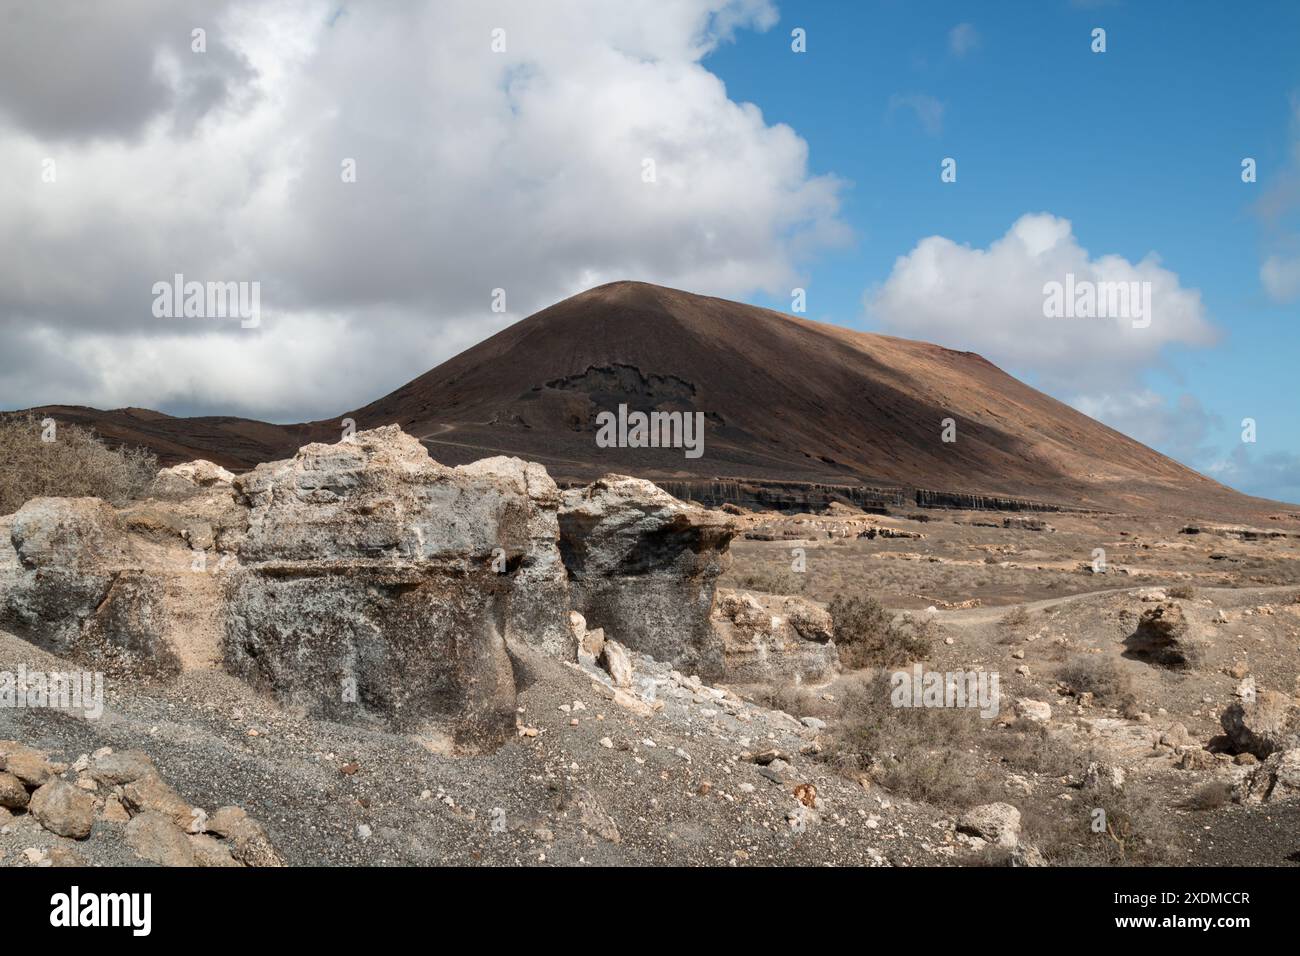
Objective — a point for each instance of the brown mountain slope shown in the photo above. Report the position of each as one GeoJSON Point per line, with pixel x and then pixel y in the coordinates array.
{"type": "Point", "coordinates": [785, 398]}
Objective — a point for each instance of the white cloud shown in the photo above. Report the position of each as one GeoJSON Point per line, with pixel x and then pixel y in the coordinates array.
{"type": "Point", "coordinates": [928, 110]}
{"type": "Point", "coordinates": [992, 301]}
{"type": "Point", "coordinates": [963, 38]}
{"type": "Point", "coordinates": [1182, 428]}
{"type": "Point", "coordinates": [1269, 474]}
{"type": "Point", "coordinates": [1281, 278]}
{"type": "Point", "coordinates": [475, 170]}
{"type": "Point", "coordinates": [1276, 210]}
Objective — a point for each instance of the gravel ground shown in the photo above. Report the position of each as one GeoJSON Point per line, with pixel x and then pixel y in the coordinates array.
{"type": "Point", "coordinates": [674, 788]}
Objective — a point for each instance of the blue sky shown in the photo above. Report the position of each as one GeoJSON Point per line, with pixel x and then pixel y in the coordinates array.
{"type": "Point", "coordinates": [1139, 147]}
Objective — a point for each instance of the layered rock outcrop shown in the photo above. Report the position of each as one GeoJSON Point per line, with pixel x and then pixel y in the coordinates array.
{"type": "Point", "coordinates": [774, 639]}
{"type": "Point", "coordinates": [116, 588]}
{"type": "Point", "coordinates": [643, 566]}
{"type": "Point", "coordinates": [1262, 722]}
{"type": "Point", "coordinates": [374, 581]}
{"type": "Point", "coordinates": [365, 582]}
{"type": "Point", "coordinates": [1275, 780]}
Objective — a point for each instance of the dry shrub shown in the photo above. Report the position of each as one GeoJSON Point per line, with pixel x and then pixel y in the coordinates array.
{"type": "Point", "coordinates": [1183, 592]}
{"type": "Point", "coordinates": [1210, 796]}
{"type": "Point", "coordinates": [920, 752]}
{"type": "Point", "coordinates": [1027, 745]}
{"type": "Point", "coordinates": [787, 582]}
{"type": "Point", "coordinates": [866, 635]}
{"type": "Point", "coordinates": [1138, 830]}
{"type": "Point", "coordinates": [76, 464]}
{"type": "Point", "coordinates": [797, 700]}
{"type": "Point", "coordinates": [1018, 616]}
{"type": "Point", "coordinates": [1101, 676]}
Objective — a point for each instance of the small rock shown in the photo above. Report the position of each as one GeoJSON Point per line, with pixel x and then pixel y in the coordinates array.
{"type": "Point", "coordinates": [28, 765]}
{"type": "Point", "coordinates": [210, 852]}
{"type": "Point", "coordinates": [1035, 711]}
{"type": "Point", "coordinates": [13, 795]}
{"type": "Point", "coordinates": [806, 793]}
{"type": "Point", "coordinates": [250, 843]}
{"type": "Point", "coordinates": [151, 793]}
{"type": "Point", "coordinates": [995, 822]}
{"type": "Point", "coordinates": [34, 856]}
{"type": "Point", "coordinates": [63, 856]}
{"type": "Point", "coordinates": [113, 811]}
{"type": "Point", "coordinates": [63, 809]}
{"type": "Point", "coordinates": [116, 769]}
{"type": "Point", "coordinates": [154, 837]}
{"type": "Point", "coordinates": [615, 659]}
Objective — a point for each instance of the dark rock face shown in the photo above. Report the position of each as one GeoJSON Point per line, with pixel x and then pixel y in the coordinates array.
{"type": "Point", "coordinates": [643, 566]}
{"type": "Point", "coordinates": [397, 648]}
{"type": "Point", "coordinates": [1262, 724]}
{"type": "Point", "coordinates": [75, 584]}
{"type": "Point", "coordinates": [1163, 638]}
{"type": "Point", "coordinates": [794, 496]}
{"type": "Point", "coordinates": [968, 502]}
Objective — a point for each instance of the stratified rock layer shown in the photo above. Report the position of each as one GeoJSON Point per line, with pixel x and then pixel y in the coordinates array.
{"type": "Point", "coordinates": [774, 639]}
{"type": "Point", "coordinates": [644, 566]}
{"type": "Point", "coordinates": [365, 582]}
{"type": "Point", "coordinates": [374, 581]}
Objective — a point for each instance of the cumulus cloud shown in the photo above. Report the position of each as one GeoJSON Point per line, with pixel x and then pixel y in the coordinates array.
{"type": "Point", "coordinates": [70, 71]}
{"type": "Point", "coordinates": [591, 144]}
{"type": "Point", "coordinates": [992, 301]}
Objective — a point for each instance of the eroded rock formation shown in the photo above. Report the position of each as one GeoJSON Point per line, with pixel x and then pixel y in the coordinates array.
{"type": "Point", "coordinates": [365, 582]}
{"type": "Point", "coordinates": [643, 566]}
{"type": "Point", "coordinates": [1163, 637]}
{"type": "Point", "coordinates": [374, 579]}
{"type": "Point", "coordinates": [774, 639]}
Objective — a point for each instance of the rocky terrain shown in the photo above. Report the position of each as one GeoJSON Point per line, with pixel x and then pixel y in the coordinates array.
{"type": "Point", "coordinates": [358, 655]}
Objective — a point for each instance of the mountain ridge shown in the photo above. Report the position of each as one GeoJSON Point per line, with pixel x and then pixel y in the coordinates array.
{"type": "Point", "coordinates": [785, 399]}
